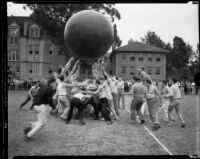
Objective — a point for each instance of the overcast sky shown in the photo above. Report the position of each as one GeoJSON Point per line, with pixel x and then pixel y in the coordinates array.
{"type": "Point", "coordinates": [167, 20]}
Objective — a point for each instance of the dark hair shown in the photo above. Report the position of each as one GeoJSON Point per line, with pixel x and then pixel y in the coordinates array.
{"type": "Point", "coordinates": [83, 89]}
{"type": "Point", "coordinates": [51, 80]}
{"type": "Point", "coordinates": [59, 70]}
{"type": "Point", "coordinates": [174, 80]}
{"type": "Point", "coordinates": [61, 77]}
{"type": "Point", "coordinates": [148, 81]}
{"type": "Point", "coordinates": [106, 77]}
{"type": "Point", "coordinates": [98, 81]}
{"type": "Point", "coordinates": [135, 78]}
{"type": "Point", "coordinates": [164, 82]}
{"type": "Point", "coordinates": [142, 68]}
{"type": "Point", "coordinates": [67, 73]}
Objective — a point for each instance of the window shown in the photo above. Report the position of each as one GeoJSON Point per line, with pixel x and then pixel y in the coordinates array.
{"type": "Point", "coordinates": [9, 56]}
{"type": "Point", "coordinates": [132, 70]}
{"type": "Point", "coordinates": [34, 32]}
{"type": "Point", "coordinates": [157, 59]}
{"type": "Point", "coordinates": [36, 49]}
{"type": "Point", "coordinates": [14, 31]}
{"type": "Point", "coordinates": [31, 31]}
{"type": "Point", "coordinates": [158, 71]}
{"type": "Point", "coordinates": [30, 49]}
{"type": "Point", "coordinates": [13, 40]}
{"type": "Point", "coordinates": [50, 52]}
{"type": "Point", "coordinates": [60, 51]}
{"type": "Point", "coordinates": [132, 59]}
{"type": "Point", "coordinates": [149, 70]}
{"type": "Point", "coordinates": [141, 58]}
{"type": "Point", "coordinates": [123, 57]}
{"type": "Point", "coordinates": [123, 69]}
{"type": "Point", "coordinates": [30, 68]}
{"type": "Point", "coordinates": [50, 71]}
{"type": "Point", "coordinates": [150, 59]}
{"type": "Point", "coordinates": [18, 69]}
{"type": "Point", "coordinates": [13, 55]}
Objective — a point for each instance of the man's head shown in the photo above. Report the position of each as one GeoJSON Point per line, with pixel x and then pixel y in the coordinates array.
{"type": "Point", "coordinates": [164, 83]}
{"type": "Point", "coordinates": [173, 80]}
{"type": "Point", "coordinates": [140, 69]}
{"type": "Point", "coordinates": [120, 78]}
{"type": "Point", "coordinates": [148, 82]}
{"type": "Point", "coordinates": [61, 77]}
{"type": "Point", "coordinates": [52, 82]}
{"type": "Point", "coordinates": [135, 79]}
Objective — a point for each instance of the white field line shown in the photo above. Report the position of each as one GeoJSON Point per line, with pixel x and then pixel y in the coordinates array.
{"type": "Point", "coordinates": [163, 146]}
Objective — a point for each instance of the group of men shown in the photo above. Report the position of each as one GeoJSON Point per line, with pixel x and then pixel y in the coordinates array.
{"type": "Point", "coordinates": [65, 91]}
{"type": "Point", "coordinates": [167, 98]}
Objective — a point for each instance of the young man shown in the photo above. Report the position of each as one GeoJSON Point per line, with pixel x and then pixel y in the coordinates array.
{"type": "Point", "coordinates": [103, 102]}
{"type": "Point", "coordinates": [79, 101]}
{"type": "Point", "coordinates": [120, 90]}
{"type": "Point", "coordinates": [175, 101]}
{"type": "Point", "coordinates": [31, 95]}
{"type": "Point", "coordinates": [138, 92]}
{"type": "Point", "coordinates": [43, 105]}
{"type": "Point", "coordinates": [144, 76]}
{"type": "Point", "coordinates": [153, 102]}
{"type": "Point", "coordinates": [165, 90]}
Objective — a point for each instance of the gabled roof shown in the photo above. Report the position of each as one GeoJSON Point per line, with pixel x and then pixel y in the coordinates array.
{"type": "Point", "coordinates": [140, 47]}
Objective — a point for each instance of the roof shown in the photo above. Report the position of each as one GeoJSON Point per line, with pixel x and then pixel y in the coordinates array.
{"type": "Point", "coordinates": [140, 47]}
{"type": "Point", "coordinates": [19, 20]}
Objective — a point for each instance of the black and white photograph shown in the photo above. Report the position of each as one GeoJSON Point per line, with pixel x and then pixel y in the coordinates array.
{"type": "Point", "coordinates": [102, 79]}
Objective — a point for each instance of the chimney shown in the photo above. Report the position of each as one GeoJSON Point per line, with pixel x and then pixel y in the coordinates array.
{"type": "Point", "coordinates": [25, 28]}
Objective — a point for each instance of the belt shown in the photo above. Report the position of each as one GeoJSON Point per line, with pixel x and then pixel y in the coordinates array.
{"type": "Point", "coordinates": [176, 98]}
{"type": "Point", "coordinates": [151, 99]}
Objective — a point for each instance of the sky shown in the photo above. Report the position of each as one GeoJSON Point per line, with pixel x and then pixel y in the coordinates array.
{"type": "Point", "coordinates": [167, 20]}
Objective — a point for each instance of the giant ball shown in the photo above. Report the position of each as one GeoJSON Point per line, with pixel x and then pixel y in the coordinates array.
{"type": "Point", "coordinates": [88, 35]}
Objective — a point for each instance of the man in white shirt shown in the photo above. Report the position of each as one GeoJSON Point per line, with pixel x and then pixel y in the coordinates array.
{"type": "Point", "coordinates": [175, 101]}
{"type": "Point", "coordinates": [165, 90]}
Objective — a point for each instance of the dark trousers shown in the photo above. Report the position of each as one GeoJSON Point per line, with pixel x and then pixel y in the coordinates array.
{"type": "Point", "coordinates": [103, 107]}
{"type": "Point", "coordinates": [26, 101]}
{"type": "Point", "coordinates": [80, 105]}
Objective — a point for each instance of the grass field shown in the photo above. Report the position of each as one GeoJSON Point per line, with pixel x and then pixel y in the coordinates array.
{"type": "Point", "coordinates": [97, 138]}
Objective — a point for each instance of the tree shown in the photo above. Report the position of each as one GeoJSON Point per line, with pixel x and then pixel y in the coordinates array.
{"type": "Point", "coordinates": [194, 65]}
{"type": "Point", "coordinates": [180, 54]}
{"type": "Point", "coordinates": [153, 39]}
{"type": "Point", "coordinates": [53, 17]}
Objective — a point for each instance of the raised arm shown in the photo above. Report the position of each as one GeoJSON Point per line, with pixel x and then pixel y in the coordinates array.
{"type": "Point", "coordinates": [68, 65]}
{"type": "Point", "coordinates": [73, 70]}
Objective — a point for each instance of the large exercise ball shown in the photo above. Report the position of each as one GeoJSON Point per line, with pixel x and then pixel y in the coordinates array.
{"type": "Point", "coordinates": [88, 35]}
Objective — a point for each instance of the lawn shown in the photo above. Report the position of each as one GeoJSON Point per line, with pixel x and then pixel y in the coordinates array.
{"type": "Point", "coordinates": [97, 138]}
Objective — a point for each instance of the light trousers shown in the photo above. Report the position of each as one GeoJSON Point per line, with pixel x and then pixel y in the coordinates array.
{"type": "Point", "coordinates": [43, 111]}
{"type": "Point", "coordinates": [153, 105]}
{"type": "Point", "coordinates": [64, 103]}
{"type": "Point", "coordinates": [121, 96]}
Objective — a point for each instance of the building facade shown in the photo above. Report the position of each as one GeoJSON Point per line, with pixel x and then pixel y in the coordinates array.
{"type": "Point", "coordinates": [126, 60]}
{"type": "Point", "coordinates": [31, 54]}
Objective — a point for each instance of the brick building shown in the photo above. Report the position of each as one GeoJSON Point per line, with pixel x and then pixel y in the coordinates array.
{"type": "Point", "coordinates": [31, 54]}
{"type": "Point", "coordinates": [126, 60]}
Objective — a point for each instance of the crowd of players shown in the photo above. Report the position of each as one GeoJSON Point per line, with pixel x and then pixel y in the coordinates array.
{"type": "Point", "coordinates": [66, 93]}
